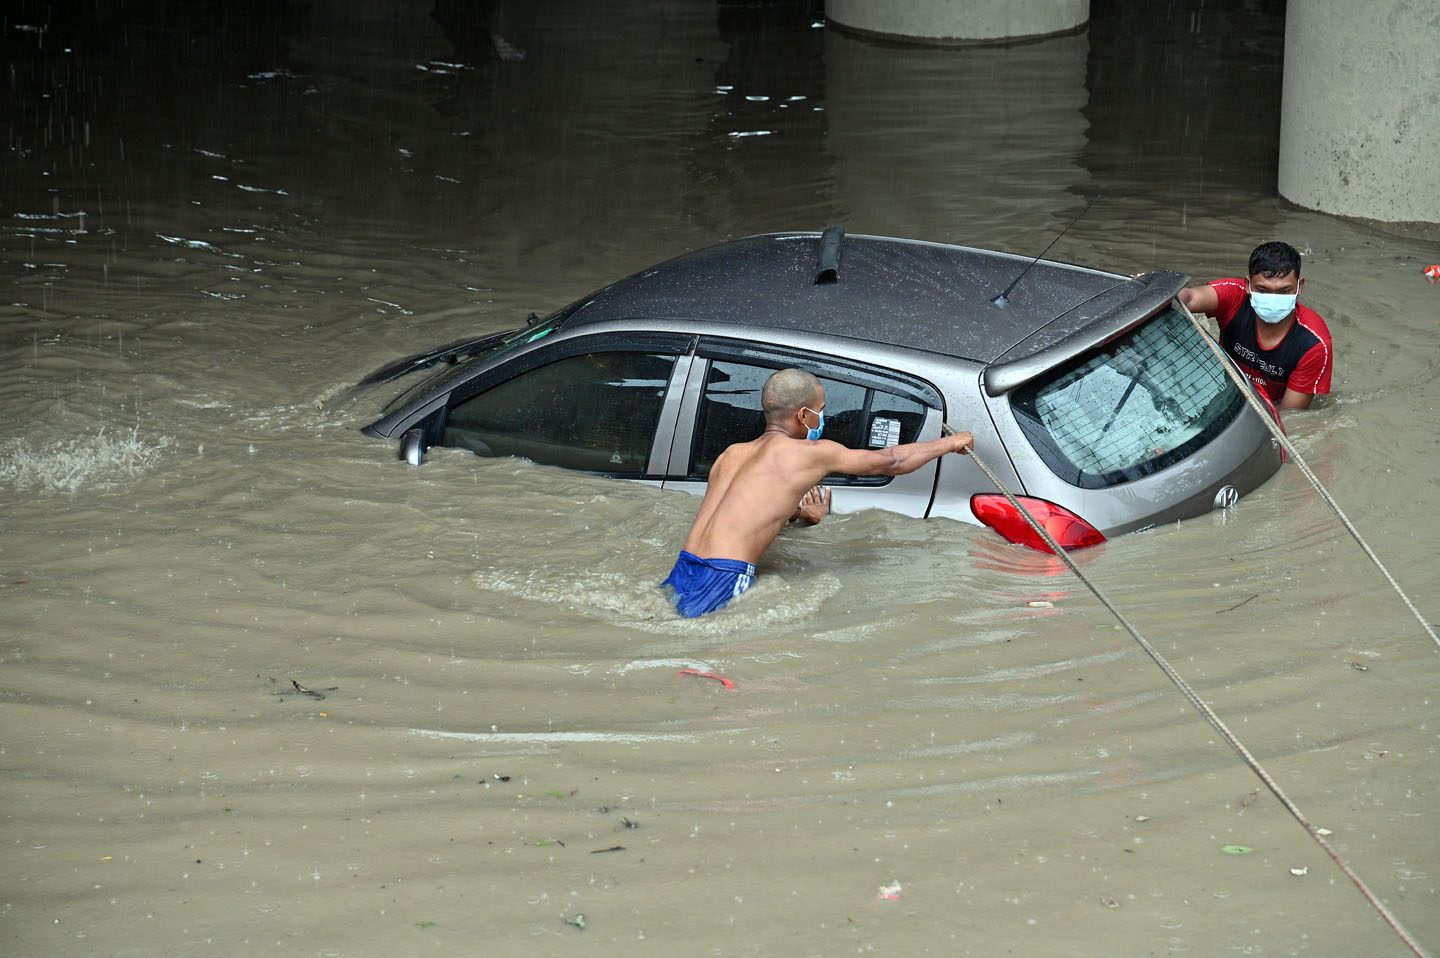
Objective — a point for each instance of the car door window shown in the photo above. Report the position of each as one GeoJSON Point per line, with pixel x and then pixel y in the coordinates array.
{"type": "Point", "coordinates": [595, 412]}
{"type": "Point", "coordinates": [856, 416]}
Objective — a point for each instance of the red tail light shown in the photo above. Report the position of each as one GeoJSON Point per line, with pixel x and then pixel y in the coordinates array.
{"type": "Point", "coordinates": [1064, 526]}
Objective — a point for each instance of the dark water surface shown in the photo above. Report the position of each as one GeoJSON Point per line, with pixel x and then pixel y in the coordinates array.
{"type": "Point", "coordinates": [214, 218]}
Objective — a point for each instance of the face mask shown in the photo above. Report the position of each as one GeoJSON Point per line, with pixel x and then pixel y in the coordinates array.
{"type": "Point", "coordinates": [813, 433]}
{"type": "Point", "coordinates": [1272, 307]}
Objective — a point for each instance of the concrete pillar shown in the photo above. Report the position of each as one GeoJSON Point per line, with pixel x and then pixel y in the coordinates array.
{"type": "Point", "coordinates": [1359, 135]}
{"type": "Point", "coordinates": [959, 21]}
{"type": "Point", "coordinates": [995, 161]}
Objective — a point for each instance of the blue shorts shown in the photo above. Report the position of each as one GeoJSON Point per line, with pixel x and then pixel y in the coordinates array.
{"type": "Point", "coordinates": [704, 585]}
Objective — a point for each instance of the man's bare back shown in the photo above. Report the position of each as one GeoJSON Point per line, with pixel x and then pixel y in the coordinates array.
{"type": "Point", "coordinates": [753, 490]}
{"type": "Point", "coordinates": [755, 487]}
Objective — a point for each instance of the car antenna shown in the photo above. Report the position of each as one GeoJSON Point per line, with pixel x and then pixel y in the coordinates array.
{"type": "Point", "coordinates": [829, 264]}
{"type": "Point", "coordinates": [1002, 301]}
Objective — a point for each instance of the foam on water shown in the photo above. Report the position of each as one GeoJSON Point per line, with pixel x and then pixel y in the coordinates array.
{"type": "Point", "coordinates": [65, 465]}
{"type": "Point", "coordinates": [637, 603]}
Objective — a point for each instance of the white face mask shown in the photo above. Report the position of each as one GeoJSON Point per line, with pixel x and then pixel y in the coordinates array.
{"type": "Point", "coordinates": [1272, 307]}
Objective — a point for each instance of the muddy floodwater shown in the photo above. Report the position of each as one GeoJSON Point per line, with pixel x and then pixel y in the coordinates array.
{"type": "Point", "coordinates": [216, 217]}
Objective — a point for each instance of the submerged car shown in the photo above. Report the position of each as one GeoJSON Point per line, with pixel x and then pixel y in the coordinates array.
{"type": "Point", "coordinates": [1089, 393]}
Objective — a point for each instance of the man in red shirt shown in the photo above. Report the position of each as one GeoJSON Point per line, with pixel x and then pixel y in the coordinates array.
{"type": "Point", "coordinates": [1283, 347]}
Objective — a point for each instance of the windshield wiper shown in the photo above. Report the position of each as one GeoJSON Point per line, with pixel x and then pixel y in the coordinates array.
{"type": "Point", "coordinates": [449, 353]}
{"type": "Point", "coordinates": [1125, 397]}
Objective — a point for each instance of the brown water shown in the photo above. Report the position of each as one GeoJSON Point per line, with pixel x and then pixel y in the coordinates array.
{"type": "Point", "coordinates": [215, 218]}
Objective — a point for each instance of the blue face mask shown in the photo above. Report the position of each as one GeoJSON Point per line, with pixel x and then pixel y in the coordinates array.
{"type": "Point", "coordinates": [813, 433]}
{"type": "Point", "coordinates": [1272, 307]}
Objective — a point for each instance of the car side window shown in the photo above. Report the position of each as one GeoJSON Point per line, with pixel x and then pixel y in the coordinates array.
{"type": "Point", "coordinates": [595, 412]}
{"type": "Point", "coordinates": [855, 416]}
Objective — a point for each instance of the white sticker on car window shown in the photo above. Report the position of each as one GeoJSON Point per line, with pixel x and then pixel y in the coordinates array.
{"type": "Point", "coordinates": [884, 432]}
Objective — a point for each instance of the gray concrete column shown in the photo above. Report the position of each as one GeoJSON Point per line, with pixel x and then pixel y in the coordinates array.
{"type": "Point", "coordinates": [995, 161]}
{"type": "Point", "coordinates": [1358, 128]}
{"type": "Point", "coordinates": [959, 21]}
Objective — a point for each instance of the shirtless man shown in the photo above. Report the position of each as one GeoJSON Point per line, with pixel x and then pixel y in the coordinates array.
{"type": "Point", "coordinates": [754, 487]}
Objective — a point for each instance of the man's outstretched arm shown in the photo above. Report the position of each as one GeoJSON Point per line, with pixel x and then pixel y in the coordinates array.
{"type": "Point", "coordinates": [1200, 299]}
{"type": "Point", "coordinates": [895, 460]}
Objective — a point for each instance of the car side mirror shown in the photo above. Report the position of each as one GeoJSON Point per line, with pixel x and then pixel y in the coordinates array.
{"type": "Point", "coordinates": [412, 446]}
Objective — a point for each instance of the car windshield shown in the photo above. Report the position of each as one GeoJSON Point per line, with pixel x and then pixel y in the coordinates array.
{"type": "Point", "coordinates": [1140, 403]}
{"type": "Point", "coordinates": [500, 346]}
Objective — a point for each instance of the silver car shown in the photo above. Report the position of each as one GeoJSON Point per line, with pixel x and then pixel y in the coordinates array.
{"type": "Point", "coordinates": [1089, 393]}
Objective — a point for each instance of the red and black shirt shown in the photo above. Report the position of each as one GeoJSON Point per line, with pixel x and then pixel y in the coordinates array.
{"type": "Point", "coordinates": [1301, 361]}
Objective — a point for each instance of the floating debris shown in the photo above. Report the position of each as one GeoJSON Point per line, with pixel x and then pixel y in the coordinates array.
{"type": "Point", "coordinates": [1300, 872]}
{"type": "Point", "coordinates": [728, 683]}
{"type": "Point", "coordinates": [1236, 849]}
{"type": "Point", "coordinates": [311, 692]}
{"type": "Point", "coordinates": [891, 891]}
{"type": "Point", "coordinates": [1237, 605]}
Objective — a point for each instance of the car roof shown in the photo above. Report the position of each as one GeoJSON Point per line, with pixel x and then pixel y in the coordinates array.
{"type": "Point", "coordinates": [907, 293]}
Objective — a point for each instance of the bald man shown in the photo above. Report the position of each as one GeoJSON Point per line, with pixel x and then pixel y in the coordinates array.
{"type": "Point", "coordinates": [755, 487]}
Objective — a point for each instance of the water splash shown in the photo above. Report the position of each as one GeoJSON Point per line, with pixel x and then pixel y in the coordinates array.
{"type": "Point", "coordinates": [65, 465]}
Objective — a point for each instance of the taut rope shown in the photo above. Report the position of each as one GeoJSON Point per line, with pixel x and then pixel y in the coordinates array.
{"type": "Point", "coordinates": [1208, 712]}
{"type": "Point", "coordinates": [1248, 392]}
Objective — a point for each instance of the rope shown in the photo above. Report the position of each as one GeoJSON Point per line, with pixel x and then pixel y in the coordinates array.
{"type": "Point", "coordinates": [1247, 390]}
{"type": "Point", "coordinates": [1209, 713]}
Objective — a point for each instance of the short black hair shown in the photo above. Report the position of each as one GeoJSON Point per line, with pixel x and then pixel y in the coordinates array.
{"type": "Point", "coordinates": [1274, 259]}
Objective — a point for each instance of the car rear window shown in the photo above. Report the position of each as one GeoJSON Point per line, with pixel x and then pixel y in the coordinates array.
{"type": "Point", "coordinates": [1140, 403]}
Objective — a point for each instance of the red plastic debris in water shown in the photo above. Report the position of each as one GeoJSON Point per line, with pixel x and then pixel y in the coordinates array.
{"type": "Point", "coordinates": [1432, 274]}
{"type": "Point", "coordinates": [729, 684]}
